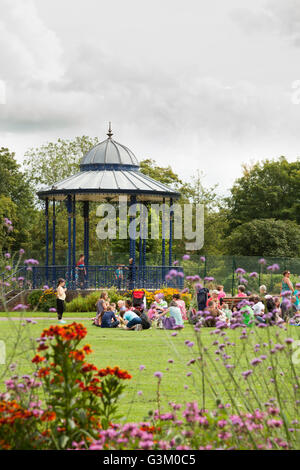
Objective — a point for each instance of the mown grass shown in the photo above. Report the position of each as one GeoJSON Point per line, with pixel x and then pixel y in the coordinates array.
{"type": "Point", "coordinates": [153, 349]}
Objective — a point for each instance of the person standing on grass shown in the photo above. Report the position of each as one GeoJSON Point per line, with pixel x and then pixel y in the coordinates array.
{"type": "Point", "coordinates": [286, 283]}
{"type": "Point", "coordinates": [60, 301]}
{"type": "Point", "coordinates": [80, 266]}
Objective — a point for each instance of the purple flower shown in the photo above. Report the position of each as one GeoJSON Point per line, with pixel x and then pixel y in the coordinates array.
{"type": "Point", "coordinates": [175, 262]}
{"type": "Point", "coordinates": [202, 258]}
{"type": "Point", "coordinates": [247, 373]}
{"type": "Point", "coordinates": [21, 252]}
{"type": "Point", "coordinates": [209, 279]}
{"type": "Point", "coordinates": [142, 367]}
{"type": "Point", "coordinates": [140, 392]}
{"type": "Point", "coordinates": [158, 375]}
{"type": "Point", "coordinates": [45, 287]}
{"type": "Point", "coordinates": [52, 309]}
{"type": "Point", "coordinates": [31, 261]}
{"type": "Point", "coordinates": [262, 261]}
{"type": "Point", "coordinates": [256, 361]}
{"type": "Point", "coordinates": [254, 274]}
{"type": "Point", "coordinates": [8, 268]}
{"type": "Point", "coordinates": [186, 257]}
{"type": "Point", "coordinates": [7, 255]}
{"type": "Point", "coordinates": [240, 271]}
{"type": "Point", "coordinates": [20, 307]}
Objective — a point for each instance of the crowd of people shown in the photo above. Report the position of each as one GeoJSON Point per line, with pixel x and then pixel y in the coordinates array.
{"type": "Point", "coordinates": [213, 306]}
{"type": "Point", "coordinates": [128, 315]}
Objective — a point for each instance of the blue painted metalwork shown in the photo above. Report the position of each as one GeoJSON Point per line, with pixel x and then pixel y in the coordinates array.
{"type": "Point", "coordinates": [53, 240]}
{"type": "Point", "coordinates": [150, 277]}
{"type": "Point", "coordinates": [47, 235]}
{"type": "Point", "coordinates": [144, 246]}
{"type": "Point", "coordinates": [69, 206]}
{"type": "Point", "coordinates": [171, 233]}
{"type": "Point", "coordinates": [163, 240]}
{"type": "Point", "coordinates": [74, 237]}
{"type": "Point", "coordinates": [86, 236]}
{"type": "Point", "coordinates": [107, 167]}
{"type": "Point", "coordinates": [133, 244]}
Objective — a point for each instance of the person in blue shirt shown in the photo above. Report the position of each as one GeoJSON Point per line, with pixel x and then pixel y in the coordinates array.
{"type": "Point", "coordinates": [108, 318]}
{"type": "Point", "coordinates": [132, 319]}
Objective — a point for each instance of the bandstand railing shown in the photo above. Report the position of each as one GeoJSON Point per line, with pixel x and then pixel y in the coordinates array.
{"type": "Point", "coordinates": [97, 277]}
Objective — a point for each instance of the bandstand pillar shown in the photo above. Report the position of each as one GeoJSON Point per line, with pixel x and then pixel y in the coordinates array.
{"type": "Point", "coordinates": [163, 241]}
{"type": "Point", "coordinates": [171, 233]}
{"type": "Point", "coordinates": [74, 237]}
{"type": "Point", "coordinates": [69, 208]}
{"type": "Point", "coordinates": [53, 242]}
{"type": "Point", "coordinates": [132, 242]}
{"type": "Point", "coordinates": [47, 237]}
{"type": "Point", "coordinates": [86, 235]}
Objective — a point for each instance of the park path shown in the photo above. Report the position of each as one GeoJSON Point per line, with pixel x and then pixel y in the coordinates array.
{"type": "Point", "coordinates": [43, 318]}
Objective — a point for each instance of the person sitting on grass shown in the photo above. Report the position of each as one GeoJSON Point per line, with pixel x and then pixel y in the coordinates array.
{"type": "Point", "coordinates": [258, 309]}
{"type": "Point", "coordinates": [175, 313]}
{"type": "Point", "coordinates": [247, 313]}
{"type": "Point", "coordinates": [210, 314]}
{"type": "Point", "coordinates": [121, 306]}
{"type": "Point", "coordinates": [108, 318]}
{"type": "Point", "coordinates": [181, 304]}
{"type": "Point", "coordinates": [158, 306]}
{"type": "Point", "coordinates": [225, 313]}
{"type": "Point", "coordinates": [100, 308]}
{"type": "Point", "coordinates": [132, 320]}
{"type": "Point", "coordinates": [146, 323]}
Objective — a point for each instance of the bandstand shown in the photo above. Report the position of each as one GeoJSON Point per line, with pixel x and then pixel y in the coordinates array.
{"type": "Point", "coordinates": [109, 172]}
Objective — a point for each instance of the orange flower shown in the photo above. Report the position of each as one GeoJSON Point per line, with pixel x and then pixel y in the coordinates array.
{"type": "Point", "coordinates": [48, 416]}
{"type": "Point", "coordinates": [44, 371]}
{"type": "Point", "coordinates": [121, 374]}
{"type": "Point", "coordinates": [38, 359]}
{"type": "Point", "coordinates": [88, 367]}
{"type": "Point", "coordinates": [87, 349]}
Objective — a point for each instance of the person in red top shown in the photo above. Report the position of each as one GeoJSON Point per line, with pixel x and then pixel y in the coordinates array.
{"type": "Point", "coordinates": [80, 266]}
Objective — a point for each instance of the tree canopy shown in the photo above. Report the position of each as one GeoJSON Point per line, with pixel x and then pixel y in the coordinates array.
{"type": "Point", "coordinates": [270, 189]}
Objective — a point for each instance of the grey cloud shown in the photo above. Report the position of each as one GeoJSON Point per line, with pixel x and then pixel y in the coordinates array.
{"type": "Point", "coordinates": [278, 17]}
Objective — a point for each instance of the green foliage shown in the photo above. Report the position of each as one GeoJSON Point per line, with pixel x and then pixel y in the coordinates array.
{"type": "Point", "coordinates": [16, 200]}
{"type": "Point", "coordinates": [42, 300]}
{"type": "Point", "coordinates": [88, 303]}
{"type": "Point", "coordinates": [55, 161]}
{"type": "Point", "coordinates": [270, 189]}
{"type": "Point", "coordinates": [266, 237]}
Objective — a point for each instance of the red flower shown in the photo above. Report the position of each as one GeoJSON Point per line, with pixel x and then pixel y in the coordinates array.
{"type": "Point", "coordinates": [38, 359]}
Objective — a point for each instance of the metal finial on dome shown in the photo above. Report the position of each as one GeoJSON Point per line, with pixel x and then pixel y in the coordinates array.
{"type": "Point", "coordinates": [109, 130]}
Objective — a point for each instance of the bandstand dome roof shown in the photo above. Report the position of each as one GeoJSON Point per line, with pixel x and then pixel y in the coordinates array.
{"type": "Point", "coordinates": [106, 171]}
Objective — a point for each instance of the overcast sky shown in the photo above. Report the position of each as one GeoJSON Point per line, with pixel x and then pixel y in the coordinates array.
{"type": "Point", "coordinates": [190, 83]}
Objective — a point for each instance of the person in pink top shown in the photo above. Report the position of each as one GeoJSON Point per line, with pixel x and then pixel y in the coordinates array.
{"type": "Point", "coordinates": [221, 293]}
{"type": "Point", "coordinates": [241, 292]}
{"type": "Point", "coordinates": [181, 305]}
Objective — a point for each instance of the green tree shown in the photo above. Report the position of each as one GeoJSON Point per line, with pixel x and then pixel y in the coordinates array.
{"type": "Point", "coordinates": [265, 237]}
{"type": "Point", "coordinates": [270, 189]}
{"type": "Point", "coordinates": [56, 161]}
{"type": "Point", "coordinates": [18, 196]}
{"type": "Point", "coordinates": [163, 174]}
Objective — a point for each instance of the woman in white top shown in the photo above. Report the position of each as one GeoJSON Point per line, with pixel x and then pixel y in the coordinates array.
{"type": "Point", "coordinates": [60, 301]}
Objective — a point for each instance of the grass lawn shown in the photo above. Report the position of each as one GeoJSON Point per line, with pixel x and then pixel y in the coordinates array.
{"type": "Point", "coordinates": [153, 348]}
